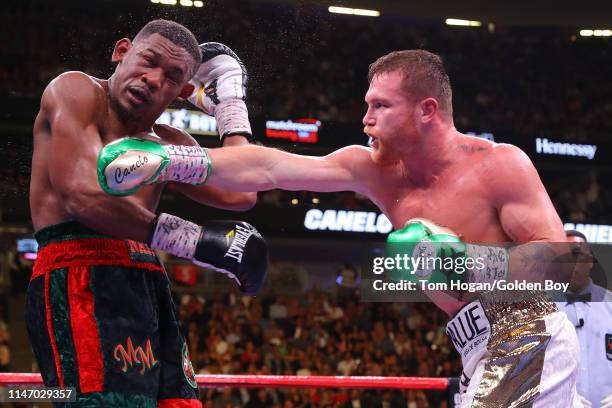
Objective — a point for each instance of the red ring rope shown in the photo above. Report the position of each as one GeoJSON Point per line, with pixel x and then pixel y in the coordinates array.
{"type": "Point", "coordinates": [280, 381]}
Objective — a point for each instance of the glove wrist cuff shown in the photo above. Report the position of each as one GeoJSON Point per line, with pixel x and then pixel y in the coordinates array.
{"type": "Point", "coordinates": [176, 236]}
{"type": "Point", "coordinates": [233, 118]}
{"type": "Point", "coordinates": [491, 263]}
{"type": "Point", "coordinates": [188, 164]}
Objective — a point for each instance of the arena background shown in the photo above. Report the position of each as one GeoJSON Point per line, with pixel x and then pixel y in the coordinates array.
{"type": "Point", "coordinates": [525, 76]}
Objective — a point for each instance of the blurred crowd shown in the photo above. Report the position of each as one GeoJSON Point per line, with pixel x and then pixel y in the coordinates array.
{"type": "Point", "coordinates": [519, 81]}
{"type": "Point", "coordinates": [317, 333]}
{"type": "Point", "coordinates": [14, 275]}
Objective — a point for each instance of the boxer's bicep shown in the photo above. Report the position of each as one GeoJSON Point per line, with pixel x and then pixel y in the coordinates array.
{"type": "Point", "coordinates": [525, 210]}
{"type": "Point", "coordinates": [72, 159]}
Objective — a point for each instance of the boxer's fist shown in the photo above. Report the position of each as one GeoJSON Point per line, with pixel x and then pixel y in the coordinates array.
{"type": "Point", "coordinates": [439, 255]}
{"type": "Point", "coordinates": [220, 89]}
{"type": "Point", "coordinates": [127, 164]}
{"type": "Point", "coordinates": [234, 248]}
{"type": "Point", "coordinates": [432, 249]}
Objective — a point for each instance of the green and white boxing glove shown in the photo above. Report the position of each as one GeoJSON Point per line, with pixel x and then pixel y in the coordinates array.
{"type": "Point", "coordinates": [127, 164]}
{"type": "Point", "coordinates": [428, 251]}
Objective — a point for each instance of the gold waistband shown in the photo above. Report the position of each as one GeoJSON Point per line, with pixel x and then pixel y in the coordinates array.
{"type": "Point", "coordinates": [509, 310]}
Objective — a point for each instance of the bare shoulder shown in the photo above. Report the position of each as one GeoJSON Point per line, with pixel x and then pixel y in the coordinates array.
{"type": "Point", "coordinates": [74, 91]}
{"type": "Point", "coordinates": [355, 157]}
{"type": "Point", "coordinates": [512, 173]}
{"type": "Point", "coordinates": [509, 157]}
{"type": "Point", "coordinates": [488, 154]}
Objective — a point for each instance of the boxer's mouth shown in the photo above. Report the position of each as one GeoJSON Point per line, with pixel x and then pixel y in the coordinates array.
{"type": "Point", "coordinates": [372, 140]}
{"type": "Point", "coordinates": [139, 95]}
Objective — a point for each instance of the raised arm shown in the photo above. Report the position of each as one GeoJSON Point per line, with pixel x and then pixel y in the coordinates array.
{"type": "Point", "coordinates": [71, 104]}
{"type": "Point", "coordinates": [260, 168]}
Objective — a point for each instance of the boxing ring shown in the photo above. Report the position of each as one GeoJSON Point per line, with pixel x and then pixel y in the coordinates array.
{"type": "Point", "coordinates": [279, 381]}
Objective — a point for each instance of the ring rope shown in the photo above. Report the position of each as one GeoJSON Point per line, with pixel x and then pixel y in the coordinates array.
{"type": "Point", "coordinates": [280, 381]}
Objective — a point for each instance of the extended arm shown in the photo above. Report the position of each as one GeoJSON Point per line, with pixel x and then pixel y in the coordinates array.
{"type": "Point", "coordinates": [240, 168]}
{"type": "Point", "coordinates": [259, 168]}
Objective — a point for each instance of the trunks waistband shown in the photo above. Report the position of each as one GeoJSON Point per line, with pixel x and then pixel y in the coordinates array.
{"type": "Point", "coordinates": [491, 319]}
{"type": "Point", "coordinates": [65, 231]}
{"type": "Point", "coordinates": [71, 244]}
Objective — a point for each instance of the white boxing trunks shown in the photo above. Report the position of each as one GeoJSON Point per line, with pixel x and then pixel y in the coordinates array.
{"type": "Point", "coordinates": [515, 353]}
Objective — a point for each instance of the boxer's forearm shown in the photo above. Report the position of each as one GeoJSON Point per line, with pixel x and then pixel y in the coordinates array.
{"type": "Point", "coordinates": [257, 168]}
{"type": "Point", "coordinates": [539, 261]}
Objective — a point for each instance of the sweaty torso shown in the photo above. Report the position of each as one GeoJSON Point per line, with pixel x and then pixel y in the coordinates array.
{"type": "Point", "coordinates": [46, 205]}
{"type": "Point", "coordinates": [459, 198]}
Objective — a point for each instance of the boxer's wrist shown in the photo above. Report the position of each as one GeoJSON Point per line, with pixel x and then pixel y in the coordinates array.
{"type": "Point", "coordinates": [232, 119]}
{"type": "Point", "coordinates": [175, 236]}
{"type": "Point", "coordinates": [188, 164]}
{"type": "Point", "coordinates": [490, 263]}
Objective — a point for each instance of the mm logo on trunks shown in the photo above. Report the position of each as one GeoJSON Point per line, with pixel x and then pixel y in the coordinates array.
{"type": "Point", "coordinates": [609, 346]}
{"type": "Point", "coordinates": [143, 359]}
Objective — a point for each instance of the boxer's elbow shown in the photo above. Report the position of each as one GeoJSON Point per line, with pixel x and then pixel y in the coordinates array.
{"type": "Point", "coordinates": [248, 201]}
{"type": "Point", "coordinates": [241, 201]}
{"type": "Point", "coordinates": [80, 201]}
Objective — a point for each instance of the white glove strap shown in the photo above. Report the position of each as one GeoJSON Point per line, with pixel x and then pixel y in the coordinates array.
{"type": "Point", "coordinates": [176, 236]}
{"type": "Point", "coordinates": [188, 164]}
{"type": "Point", "coordinates": [494, 259]}
{"type": "Point", "coordinates": [232, 117]}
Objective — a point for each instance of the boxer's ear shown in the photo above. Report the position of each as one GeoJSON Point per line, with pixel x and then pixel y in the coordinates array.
{"type": "Point", "coordinates": [186, 92]}
{"type": "Point", "coordinates": [121, 48]}
{"type": "Point", "coordinates": [428, 109]}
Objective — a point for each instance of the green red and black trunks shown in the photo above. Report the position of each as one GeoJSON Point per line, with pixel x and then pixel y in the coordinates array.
{"type": "Point", "coordinates": [101, 319]}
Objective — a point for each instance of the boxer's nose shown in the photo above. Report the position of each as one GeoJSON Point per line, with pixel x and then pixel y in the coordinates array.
{"type": "Point", "coordinates": [153, 78]}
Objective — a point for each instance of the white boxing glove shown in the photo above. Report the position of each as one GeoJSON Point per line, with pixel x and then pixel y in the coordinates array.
{"type": "Point", "coordinates": [220, 89]}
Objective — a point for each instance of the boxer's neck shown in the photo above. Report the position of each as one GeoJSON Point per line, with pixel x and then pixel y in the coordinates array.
{"type": "Point", "coordinates": [435, 151]}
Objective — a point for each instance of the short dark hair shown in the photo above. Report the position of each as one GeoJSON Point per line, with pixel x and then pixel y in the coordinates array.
{"type": "Point", "coordinates": [575, 233]}
{"type": "Point", "coordinates": [175, 32]}
{"type": "Point", "coordinates": [423, 75]}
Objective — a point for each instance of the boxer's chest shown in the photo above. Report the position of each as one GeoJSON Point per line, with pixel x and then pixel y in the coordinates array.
{"type": "Point", "coordinates": [461, 203]}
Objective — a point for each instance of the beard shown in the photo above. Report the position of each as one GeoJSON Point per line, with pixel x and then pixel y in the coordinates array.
{"type": "Point", "coordinates": [384, 154]}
